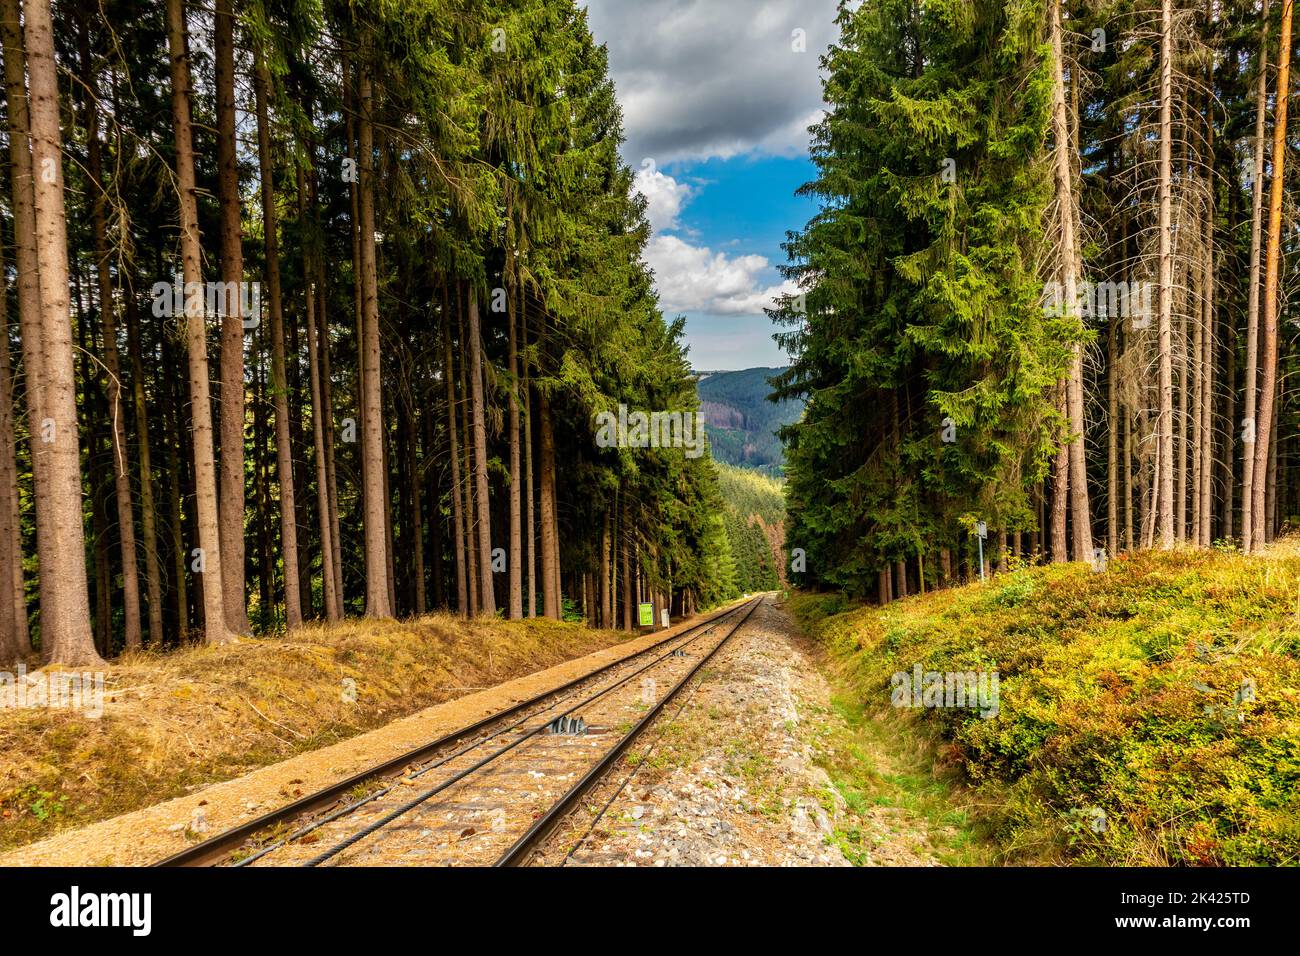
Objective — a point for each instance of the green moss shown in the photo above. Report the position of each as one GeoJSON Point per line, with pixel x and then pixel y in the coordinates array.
{"type": "Point", "coordinates": [1161, 696]}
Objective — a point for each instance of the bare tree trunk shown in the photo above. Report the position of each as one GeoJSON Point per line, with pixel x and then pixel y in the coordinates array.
{"type": "Point", "coordinates": [551, 605]}
{"type": "Point", "coordinates": [14, 642]}
{"type": "Point", "coordinates": [388, 521]}
{"type": "Point", "coordinates": [516, 600]}
{"type": "Point", "coordinates": [1112, 438]}
{"type": "Point", "coordinates": [1060, 488]}
{"type": "Point", "coordinates": [333, 606]}
{"type": "Point", "coordinates": [1270, 478]}
{"type": "Point", "coordinates": [279, 376]}
{"type": "Point", "coordinates": [112, 360]}
{"type": "Point", "coordinates": [530, 526]}
{"type": "Point", "coordinates": [1128, 481]}
{"type": "Point", "coordinates": [376, 504]}
{"type": "Point", "coordinates": [148, 508]}
{"type": "Point", "coordinates": [1229, 415]}
{"type": "Point", "coordinates": [261, 483]}
{"type": "Point", "coordinates": [1165, 427]}
{"type": "Point", "coordinates": [205, 473]}
{"type": "Point", "coordinates": [331, 477]}
{"type": "Point", "coordinates": [467, 457]}
{"type": "Point", "coordinates": [29, 291]}
{"type": "Point", "coordinates": [1249, 397]}
{"type": "Point", "coordinates": [457, 508]}
{"type": "Point", "coordinates": [1205, 509]}
{"type": "Point", "coordinates": [232, 328]}
{"type": "Point", "coordinates": [487, 599]}
{"type": "Point", "coordinates": [1079, 507]}
{"type": "Point", "coordinates": [1197, 381]}
{"type": "Point", "coordinates": [1260, 528]}
{"type": "Point", "coordinates": [1181, 443]}
{"type": "Point", "coordinates": [605, 597]}
{"type": "Point", "coordinates": [65, 626]}
{"type": "Point", "coordinates": [629, 618]}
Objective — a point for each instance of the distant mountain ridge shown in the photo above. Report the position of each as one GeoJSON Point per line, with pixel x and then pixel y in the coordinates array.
{"type": "Point", "coordinates": [741, 423]}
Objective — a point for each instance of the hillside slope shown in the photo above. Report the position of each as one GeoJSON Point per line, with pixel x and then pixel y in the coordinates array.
{"type": "Point", "coordinates": [741, 422]}
{"type": "Point", "coordinates": [1148, 714]}
{"type": "Point", "coordinates": [755, 523]}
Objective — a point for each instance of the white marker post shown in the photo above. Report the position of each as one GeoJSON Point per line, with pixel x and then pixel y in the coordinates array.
{"type": "Point", "coordinates": [982, 532]}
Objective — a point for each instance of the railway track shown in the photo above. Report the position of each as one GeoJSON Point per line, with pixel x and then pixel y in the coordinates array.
{"type": "Point", "coordinates": [488, 793]}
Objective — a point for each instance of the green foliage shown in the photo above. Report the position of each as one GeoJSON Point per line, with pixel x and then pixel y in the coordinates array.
{"type": "Point", "coordinates": [1160, 693]}
{"type": "Point", "coordinates": [742, 422]}
{"type": "Point", "coordinates": [920, 311]}
{"type": "Point", "coordinates": [753, 515]}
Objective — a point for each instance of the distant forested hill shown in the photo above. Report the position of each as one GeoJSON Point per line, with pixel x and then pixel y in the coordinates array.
{"type": "Point", "coordinates": [741, 422]}
{"type": "Point", "coordinates": [755, 522]}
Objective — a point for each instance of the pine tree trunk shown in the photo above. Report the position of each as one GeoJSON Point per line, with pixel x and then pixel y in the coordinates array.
{"type": "Point", "coordinates": [551, 601]}
{"type": "Point", "coordinates": [1227, 530]}
{"type": "Point", "coordinates": [148, 507]}
{"type": "Point", "coordinates": [1112, 438]}
{"type": "Point", "coordinates": [1165, 426]}
{"type": "Point", "coordinates": [1250, 384]}
{"type": "Point", "coordinates": [335, 557]}
{"type": "Point", "coordinates": [14, 643]}
{"type": "Point", "coordinates": [1205, 509]}
{"type": "Point", "coordinates": [205, 476]}
{"type": "Point", "coordinates": [457, 507]}
{"type": "Point", "coordinates": [388, 521]}
{"type": "Point", "coordinates": [261, 484]}
{"type": "Point", "coordinates": [516, 558]}
{"type": "Point", "coordinates": [279, 377]}
{"type": "Point", "coordinates": [232, 328]}
{"type": "Point", "coordinates": [1181, 443]}
{"type": "Point", "coordinates": [372, 451]}
{"type": "Point", "coordinates": [112, 360]}
{"type": "Point", "coordinates": [1060, 488]}
{"type": "Point", "coordinates": [65, 626]}
{"type": "Point", "coordinates": [605, 594]}
{"type": "Point", "coordinates": [1128, 481]}
{"type": "Point", "coordinates": [467, 458]}
{"type": "Point", "coordinates": [1261, 529]}
{"type": "Point", "coordinates": [1079, 506]}
{"type": "Point", "coordinates": [629, 618]}
{"type": "Point", "coordinates": [530, 525]}
{"type": "Point", "coordinates": [29, 292]}
{"type": "Point", "coordinates": [487, 599]}
{"type": "Point", "coordinates": [172, 442]}
{"type": "Point", "coordinates": [333, 607]}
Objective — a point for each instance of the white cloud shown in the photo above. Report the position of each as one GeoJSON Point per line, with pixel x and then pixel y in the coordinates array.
{"type": "Point", "coordinates": [699, 79]}
{"type": "Point", "coordinates": [665, 197]}
{"type": "Point", "coordinates": [695, 279]}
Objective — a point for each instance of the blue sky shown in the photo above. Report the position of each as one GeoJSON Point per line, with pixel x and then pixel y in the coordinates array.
{"type": "Point", "coordinates": [717, 98]}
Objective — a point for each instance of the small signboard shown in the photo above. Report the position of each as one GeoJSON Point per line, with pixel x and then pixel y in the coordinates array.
{"type": "Point", "coordinates": [982, 529]}
{"type": "Point", "coordinates": [646, 615]}
{"type": "Point", "coordinates": [663, 617]}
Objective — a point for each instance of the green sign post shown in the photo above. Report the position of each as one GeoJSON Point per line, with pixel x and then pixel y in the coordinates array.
{"type": "Point", "coordinates": [646, 615]}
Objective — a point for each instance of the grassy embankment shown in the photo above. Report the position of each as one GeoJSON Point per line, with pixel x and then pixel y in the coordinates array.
{"type": "Point", "coordinates": [177, 721]}
{"type": "Point", "coordinates": [1148, 714]}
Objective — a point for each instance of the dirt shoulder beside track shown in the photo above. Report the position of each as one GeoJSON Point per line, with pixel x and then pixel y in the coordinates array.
{"type": "Point", "coordinates": [146, 835]}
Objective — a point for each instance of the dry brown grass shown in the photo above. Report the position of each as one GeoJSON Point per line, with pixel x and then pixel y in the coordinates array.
{"type": "Point", "coordinates": [173, 722]}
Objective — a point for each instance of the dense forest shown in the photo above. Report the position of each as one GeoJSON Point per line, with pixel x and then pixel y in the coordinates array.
{"type": "Point", "coordinates": [743, 425]}
{"type": "Point", "coordinates": [1046, 291]}
{"type": "Point", "coordinates": [754, 516]}
{"type": "Point", "coordinates": [309, 308]}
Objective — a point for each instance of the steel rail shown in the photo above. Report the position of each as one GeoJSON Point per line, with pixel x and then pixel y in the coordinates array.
{"type": "Point", "coordinates": [518, 854]}
{"type": "Point", "coordinates": [217, 847]}
{"type": "Point", "coordinates": [423, 797]}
